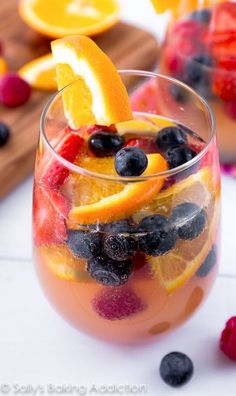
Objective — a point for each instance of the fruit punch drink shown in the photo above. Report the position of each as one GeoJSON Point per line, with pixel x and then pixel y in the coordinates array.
{"type": "Point", "coordinates": [126, 215]}
{"type": "Point", "coordinates": [200, 49]}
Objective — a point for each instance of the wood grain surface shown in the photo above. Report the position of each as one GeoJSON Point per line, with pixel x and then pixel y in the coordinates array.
{"type": "Point", "coordinates": [128, 46]}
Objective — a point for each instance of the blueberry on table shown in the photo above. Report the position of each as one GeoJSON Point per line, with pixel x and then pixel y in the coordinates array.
{"type": "Point", "coordinates": [179, 155]}
{"type": "Point", "coordinates": [108, 271]}
{"type": "Point", "coordinates": [157, 236]}
{"type": "Point", "coordinates": [176, 369]}
{"type": "Point", "coordinates": [189, 220]}
{"type": "Point", "coordinates": [120, 247]}
{"type": "Point", "coordinates": [130, 161]}
{"type": "Point", "coordinates": [170, 137]}
{"type": "Point", "coordinates": [4, 134]}
{"type": "Point", "coordinates": [84, 244]}
{"type": "Point", "coordinates": [105, 144]}
{"type": "Point", "coordinates": [208, 263]}
{"type": "Point", "coordinates": [203, 15]}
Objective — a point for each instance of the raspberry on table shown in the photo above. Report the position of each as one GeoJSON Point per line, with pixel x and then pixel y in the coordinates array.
{"type": "Point", "coordinates": [14, 91]}
{"type": "Point", "coordinates": [228, 339]}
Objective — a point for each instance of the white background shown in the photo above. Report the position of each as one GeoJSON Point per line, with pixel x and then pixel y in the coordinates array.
{"type": "Point", "coordinates": [38, 347]}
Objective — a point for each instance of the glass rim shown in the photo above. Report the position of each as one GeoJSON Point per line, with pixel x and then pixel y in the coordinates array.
{"type": "Point", "coordinates": [167, 173]}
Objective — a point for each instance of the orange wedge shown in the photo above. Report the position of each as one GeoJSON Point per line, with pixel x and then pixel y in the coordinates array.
{"type": "Point", "coordinates": [176, 268]}
{"type": "Point", "coordinates": [3, 66]}
{"type": "Point", "coordinates": [40, 73]}
{"type": "Point", "coordinates": [62, 264]}
{"type": "Point", "coordinates": [98, 96]}
{"type": "Point", "coordinates": [120, 199]}
{"type": "Point", "coordinates": [58, 18]}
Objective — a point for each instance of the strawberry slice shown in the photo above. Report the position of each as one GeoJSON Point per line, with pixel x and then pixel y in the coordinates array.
{"type": "Point", "coordinates": [224, 18]}
{"type": "Point", "coordinates": [224, 78]}
{"type": "Point", "coordinates": [49, 215]}
{"type": "Point", "coordinates": [56, 173]}
{"type": "Point", "coordinates": [147, 144]}
{"type": "Point", "coordinates": [230, 109]}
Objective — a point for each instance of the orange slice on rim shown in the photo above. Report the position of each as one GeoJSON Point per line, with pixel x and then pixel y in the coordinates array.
{"type": "Point", "coordinates": [121, 199]}
{"type": "Point", "coordinates": [58, 18]}
{"type": "Point", "coordinates": [98, 96]}
{"type": "Point", "coordinates": [40, 73]}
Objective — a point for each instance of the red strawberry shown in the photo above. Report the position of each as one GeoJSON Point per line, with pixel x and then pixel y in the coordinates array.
{"type": "Point", "coordinates": [224, 80]}
{"type": "Point", "coordinates": [147, 144]}
{"type": "Point", "coordinates": [174, 62]}
{"type": "Point", "coordinates": [145, 98]}
{"type": "Point", "coordinates": [49, 214]}
{"type": "Point", "coordinates": [224, 18]}
{"type": "Point", "coordinates": [230, 109]}
{"type": "Point", "coordinates": [56, 173]}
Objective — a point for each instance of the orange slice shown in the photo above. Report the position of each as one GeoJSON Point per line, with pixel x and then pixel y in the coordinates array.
{"type": "Point", "coordinates": [177, 267]}
{"type": "Point", "coordinates": [182, 7]}
{"type": "Point", "coordinates": [58, 18]}
{"type": "Point", "coordinates": [196, 188]}
{"type": "Point", "coordinates": [40, 73]}
{"type": "Point", "coordinates": [3, 66]}
{"type": "Point", "coordinates": [143, 125]}
{"type": "Point", "coordinates": [98, 96]}
{"type": "Point", "coordinates": [119, 204]}
{"type": "Point", "coordinates": [62, 264]}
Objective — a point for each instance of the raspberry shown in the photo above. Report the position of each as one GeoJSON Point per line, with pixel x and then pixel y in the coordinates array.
{"type": "Point", "coordinates": [228, 339]}
{"type": "Point", "coordinates": [117, 304]}
{"type": "Point", "coordinates": [14, 91]}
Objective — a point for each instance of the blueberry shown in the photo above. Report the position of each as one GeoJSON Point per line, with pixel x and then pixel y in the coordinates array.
{"type": "Point", "coordinates": [4, 134]}
{"type": "Point", "coordinates": [178, 93]}
{"type": "Point", "coordinates": [108, 271]}
{"type": "Point", "coordinates": [121, 226]}
{"type": "Point", "coordinates": [120, 247]}
{"type": "Point", "coordinates": [208, 264]}
{"type": "Point", "coordinates": [157, 236]}
{"type": "Point", "coordinates": [179, 155]}
{"type": "Point", "coordinates": [131, 161]}
{"type": "Point", "coordinates": [203, 15]}
{"type": "Point", "coordinates": [176, 369]}
{"type": "Point", "coordinates": [84, 244]}
{"type": "Point", "coordinates": [189, 220]}
{"type": "Point", "coordinates": [105, 144]}
{"type": "Point", "coordinates": [170, 137]}
{"type": "Point", "coordinates": [197, 70]}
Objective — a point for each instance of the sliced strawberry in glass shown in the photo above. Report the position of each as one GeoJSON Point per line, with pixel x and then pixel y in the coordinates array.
{"type": "Point", "coordinates": [56, 173]}
{"type": "Point", "coordinates": [49, 216]}
{"type": "Point", "coordinates": [147, 144]}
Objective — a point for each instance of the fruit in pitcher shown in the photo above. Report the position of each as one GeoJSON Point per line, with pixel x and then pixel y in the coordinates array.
{"type": "Point", "coordinates": [208, 264]}
{"type": "Point", "coordinates": [105, 144]}
{"type": "Point", "coordinates": [170, 137]}
{"type": "Point", "coordinates": [84, 244]}
{"type": "Point", "coordinates": [179, 155]}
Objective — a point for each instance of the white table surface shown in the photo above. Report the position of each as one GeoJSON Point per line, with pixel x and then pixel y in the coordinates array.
{"type": "Point", "coordinates": [38, 348]}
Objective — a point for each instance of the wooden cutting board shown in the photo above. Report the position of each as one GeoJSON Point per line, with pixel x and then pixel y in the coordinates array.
{"type": "Point", "coordinates": [128, 46]}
